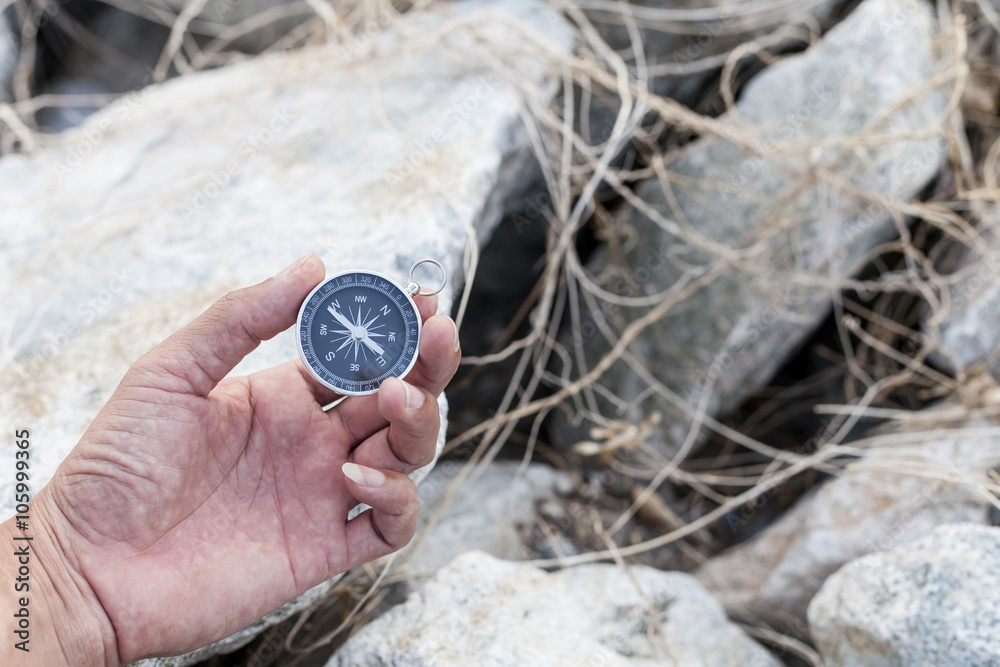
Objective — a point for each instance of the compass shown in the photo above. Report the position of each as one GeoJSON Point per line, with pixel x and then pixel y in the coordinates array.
{"type": "Point", "coordinates": [359, 327]}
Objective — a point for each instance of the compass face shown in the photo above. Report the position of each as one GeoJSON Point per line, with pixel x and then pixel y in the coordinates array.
{"type": "Point", "coordinates": [356, 329]}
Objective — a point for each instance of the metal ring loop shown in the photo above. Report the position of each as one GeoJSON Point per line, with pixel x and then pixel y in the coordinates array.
{"type": "Point", "coordinates": [427, 260]}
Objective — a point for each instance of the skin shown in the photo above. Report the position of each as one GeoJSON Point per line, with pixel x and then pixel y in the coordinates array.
{"type": "Point", "coordinates": [193, 505]}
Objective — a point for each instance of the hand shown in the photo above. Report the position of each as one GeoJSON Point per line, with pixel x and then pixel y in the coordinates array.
{"type": "Point", "coordinates": [194, 504]}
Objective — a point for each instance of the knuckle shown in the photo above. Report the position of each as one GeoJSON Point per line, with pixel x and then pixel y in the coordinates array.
{"type": "Point", "coordinates": [226, 305]}
{"type": "Point", "coordinates": [403, 524]}
{"type": "Point", "coordinates": [425, 454]}
{"type": "Point", "coordinates": [428, 425]}
{"type": "Point", "coordinates": [408, 520]}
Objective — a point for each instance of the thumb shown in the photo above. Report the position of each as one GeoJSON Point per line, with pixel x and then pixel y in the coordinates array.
{"type": "Point", "coordinates": [194, 359]}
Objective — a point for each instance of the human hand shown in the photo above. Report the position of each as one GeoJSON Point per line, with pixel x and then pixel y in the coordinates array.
{"type": "Point", "coordinates": [193, 505]}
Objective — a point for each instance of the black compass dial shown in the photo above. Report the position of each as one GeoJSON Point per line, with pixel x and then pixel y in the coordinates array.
{"type": "Point", "coordinates": [356, 329]}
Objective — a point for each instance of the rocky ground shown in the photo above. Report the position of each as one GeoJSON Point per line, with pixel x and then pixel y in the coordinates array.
{"type": "Point", "coordinates": [726, 277]}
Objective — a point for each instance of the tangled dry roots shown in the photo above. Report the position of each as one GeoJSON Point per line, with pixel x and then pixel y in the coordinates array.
{"type": "Point", "coordinates": [882, 365]}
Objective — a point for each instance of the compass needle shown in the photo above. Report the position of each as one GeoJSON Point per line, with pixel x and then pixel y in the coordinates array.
{"type": "Point", "coordinates": [375, 347]}
{"type": "Point", "coordinates": [340, 318]}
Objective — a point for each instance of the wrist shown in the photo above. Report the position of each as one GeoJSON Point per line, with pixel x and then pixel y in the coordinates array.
{"type": "Point", "coordinates": [48, 614]}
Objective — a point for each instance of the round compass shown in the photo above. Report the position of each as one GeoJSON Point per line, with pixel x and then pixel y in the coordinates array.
{"type": "Point", "coordinates": [357, 328]}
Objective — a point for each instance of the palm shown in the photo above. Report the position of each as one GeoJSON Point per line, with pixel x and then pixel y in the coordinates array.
{"type": "Point", "coordinates": [201, 505]}
{"type": "Point", "coordinates": [233, 485]}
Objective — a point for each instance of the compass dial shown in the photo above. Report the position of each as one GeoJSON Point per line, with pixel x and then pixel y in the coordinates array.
{"type": "Point", "coordinates": [356, 329]}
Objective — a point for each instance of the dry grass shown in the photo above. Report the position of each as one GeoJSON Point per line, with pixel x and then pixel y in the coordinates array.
{"type": "Point", "coordinates": [880, 364]}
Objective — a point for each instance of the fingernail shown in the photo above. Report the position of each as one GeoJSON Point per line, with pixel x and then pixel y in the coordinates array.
{"type": "Point", "coordinates": [414, 397]}
{"type": "Point", "coordinates": [363, 475]}
{"type": "Point", "coordinates": [291, 268]}
{"type": "Point", "coordinates": [454, 340]}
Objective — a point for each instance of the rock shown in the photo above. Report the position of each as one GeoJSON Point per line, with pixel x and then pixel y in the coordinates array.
{"type": "Point", "coordinates": [134, 222]}
{"type": "Point", "coordinates": [686, 42]}
{"type": "Point", "coordinates": [492, 613]}
{"type": "Point", "coordinates": [732, 334]}
{"type": "Point", "coordinates": [9, 51]}
{"type": "Point", "coordinates": [488, 513]}
{"type": "Point", "coordinates": [971, 337]}
{"type": "Point", "coordinates": [874, 505]}
{"type": "Point", "coordinates": [933, 602]}
{"type": "Point", "coordinates": [493, 513]}
{"type": "Point", "coordinates": [970, 333]}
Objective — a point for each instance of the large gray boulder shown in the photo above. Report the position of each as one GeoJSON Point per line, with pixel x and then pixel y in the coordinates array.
{"type": "Point", "coordinates": [493, 613]}
{"type": "Point", "coordinates": [489, 512]}
{"type": "Point", "coordinates": [933, 602]}
{"type": "Point", "coordinates": [132, 224]}
{"type": "Point", "coordinates": [970, 338]}
{"type": "Point", "coordinates": [494, 511]}
{"type": "Point", "coordinates": [970, 331]}
{"type": "Point", "coordinates": [793, 210]}
{"type": "Point", "coordinates": [685, 42]}
{"type": "Point", "coordinates": [878, 503]}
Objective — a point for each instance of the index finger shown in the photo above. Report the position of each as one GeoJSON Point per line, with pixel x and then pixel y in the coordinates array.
{"type": "Point", "coordinates": [436, 364]}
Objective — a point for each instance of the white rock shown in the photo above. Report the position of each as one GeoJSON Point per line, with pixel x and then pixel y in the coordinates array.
{"type": "Point", "coordinates": [971, 337]}
{"type": "Point", "coordinates": [933, 602]}
{"type": "Point", "coordinates": [733, 334]}
{"type": "Point", "coordinates": [492, 613]}
{"type": "Point", "coordinates": [133, 223]}
{"type": "Point", "coordinates": [493, 513]}
{"type": "Point", "coordinates": [488, 513]}
{"type": "Point", "coordinates": [874, 505]}
{"type": "Point", "coordinates": [970, 333]}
